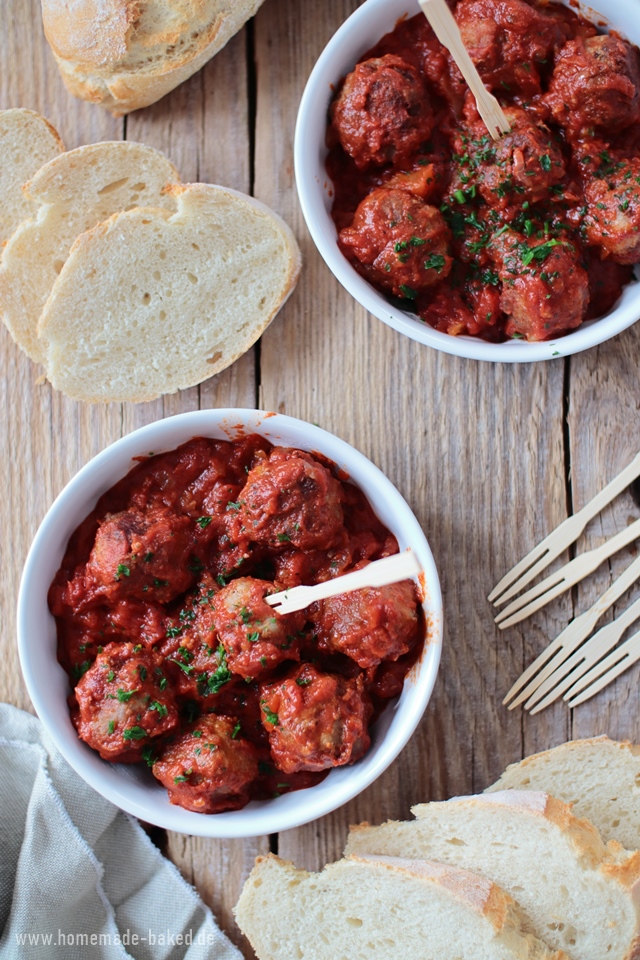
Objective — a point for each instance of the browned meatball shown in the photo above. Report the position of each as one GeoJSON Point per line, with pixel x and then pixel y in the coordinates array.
{"type": "Point", "coordinates": [401, 242]}
{"type": "Point", "coordinates": [521, 166]}
{"type": "Point", "coordinates": [125, 702]}
{"type": "Point", "coordinates": [545, 289]}
{"type": "Point", "coordinates": [594, 88]}
{"type": "Point", "coordinates": [509, 41]}
{"type": "Point", "coordinates": [208, 767]}
{"type": "Point", "coordinates": [290, 499]}
{"type": "Point", "coordinates": [143, 555]}
{"type": "Point", "coordinates": [315, 720]}
{"type": "Point", "coordinates": [612, 194]}
{"type": "Point", "coordinates": [255, 637]}
{"type": "Point", "coordinates": [369, 625]}
{"type": "Point", "coordinates": [383, 112]}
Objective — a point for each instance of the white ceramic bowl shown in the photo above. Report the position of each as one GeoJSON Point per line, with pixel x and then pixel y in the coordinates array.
{"type": "Point", "coordinates": [358, 34]}
{"type": "Point", "coordinates": [133, 788]}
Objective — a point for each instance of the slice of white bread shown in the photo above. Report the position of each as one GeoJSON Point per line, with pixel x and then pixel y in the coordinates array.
{"type": "Point", "coordinates": [578, 895]}
{"type": "Point", "coordinates": [27, 142]}
{"type": "Point", "coordinates": [600, 777]}
{"type": "Point", "coordinates": [150, 303]}
{"type": "Point", "coordinates": [74, 192]}
{"type": "Point", "coordinates": [126, 55]}
{"type": "Point", "coordinates": [379, 908]}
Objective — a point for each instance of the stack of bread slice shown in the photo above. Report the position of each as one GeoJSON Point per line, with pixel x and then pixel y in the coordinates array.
{"type": "Point", "coordinates": [124, 283]}
{"type": "Point", "coordinates": [509, 873]}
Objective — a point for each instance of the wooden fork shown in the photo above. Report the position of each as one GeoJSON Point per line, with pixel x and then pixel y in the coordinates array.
{"type": "Point", "coordinates": [560, 581]}
{"type": "Point", "coordinates": [562, 537]}
{"type": "Point", "coordinates": [448, 33]}
{"type": "Point", "coordinates": [606, 672]}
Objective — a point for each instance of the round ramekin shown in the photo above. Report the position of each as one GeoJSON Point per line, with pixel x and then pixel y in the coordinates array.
{"type": "Point", "coordinates": [133, 788]}
{"type": "Point", "coordinates": [359, 33]}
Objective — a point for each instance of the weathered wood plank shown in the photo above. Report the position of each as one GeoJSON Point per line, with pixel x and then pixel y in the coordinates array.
{"type": "Point", "coordinates": [604, 425]}
{"type": "Point", "coordinates": [477, 450]}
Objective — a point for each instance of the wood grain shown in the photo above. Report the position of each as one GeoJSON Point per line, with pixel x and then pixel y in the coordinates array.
{"type": "Point", "coordinates": [490, 457]}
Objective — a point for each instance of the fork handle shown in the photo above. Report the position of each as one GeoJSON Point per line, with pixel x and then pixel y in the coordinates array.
{"type": "Point", "coordinates": [622, 539]}
{"type": "Point", "coordinates": [611, 491]}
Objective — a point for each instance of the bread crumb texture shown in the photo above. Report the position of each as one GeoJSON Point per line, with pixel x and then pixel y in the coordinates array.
{"type": "Point", "coordinates": [151, 302]}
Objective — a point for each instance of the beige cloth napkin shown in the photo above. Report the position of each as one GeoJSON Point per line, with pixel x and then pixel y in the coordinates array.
{"type": "Point", "coordinates": [79, 878]}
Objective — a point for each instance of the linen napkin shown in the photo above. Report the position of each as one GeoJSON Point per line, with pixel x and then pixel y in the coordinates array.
{"type": "Point", "coordinates": [78, 877]}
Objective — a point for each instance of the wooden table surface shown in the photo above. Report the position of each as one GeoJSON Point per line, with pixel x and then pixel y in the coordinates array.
{"type": "Point", "coordinates": [490, 457]}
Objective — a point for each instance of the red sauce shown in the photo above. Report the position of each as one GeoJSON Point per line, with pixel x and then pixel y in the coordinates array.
{"type": "Point", "coordinates": [524, 238]}
{"type": "Point", "coordinates": [175, 657]}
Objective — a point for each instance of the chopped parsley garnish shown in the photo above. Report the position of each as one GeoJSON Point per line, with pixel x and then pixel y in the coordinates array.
{"type": "Point", "coordinates": [134, 733]}
{"type": "Point", "coordinates": [184, 776]}
{"type": "Point", "coordinates": [236, 730]}
{"type": "Point", "coordinates": [213, 682]}
{"type": "Point", "coordinates": [174, 632]}
{"type": "Point", "coordinates": [162, 683]}
{"type": "Point", "coordinates": [125, 695]}
{"type": "Point", "coordinates": [148, 755]}
{"type": "Point", "coordinates": [435, 262]}
{"type": "Point", "coordinates": [112, 726]}
{"type": "Point", "coordinates": [197, 733]}
{"type": "Point", "coordinates": [148, 557]}
{"type": "Point", "coordinates": [545, 162]}
{"type": "Point", "coordinates": [204, 522]}
{"type": "Point", "coordinates": [110, 676]}
{"type": "Point", "coordinates": [408, 293]}
{"type": "Point", "coordinates": [284, 538]}
{"type": "Point", "coordinates": [185, 667]}
{"type": "Point", "coordinates": [539, 253]}
{"type": "Point", "coordinates": [252, 637]}
{"type": "Point", "coordinates": [142, 672]}
{"type": "Point", "coordinates": [303, 681]}
{"type": "Point", "coordinates": [160, 583]}
{"type": "Point", "coordinates": [122, 570]}
{"type": "Point", "coordinates": [270, 716]}
{"type": "Point", "coordinates": [160, 708]}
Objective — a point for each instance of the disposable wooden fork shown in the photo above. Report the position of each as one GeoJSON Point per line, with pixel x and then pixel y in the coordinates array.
{"type": "Point", "coordinates": [606, 672]}
{"type": "Point", "coordinates": [448, 33]}
{"type": "Point", "coordinates": [565, 578]}
{"type": "Point", "coordinates": [559, 651]}
{"type": "Point", "coordinates": [561, 538]}
{"type": "Point", "coordinates": [380, 573]}
{"type": "Point", "coordinates": [583, 660]}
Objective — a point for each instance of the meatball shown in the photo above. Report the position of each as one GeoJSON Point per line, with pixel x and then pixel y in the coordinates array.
{"type": "Point", "coordinates": [369, 625]}
{"type": "Point", "coordinates": [508, 40]}
{"type": "Point", "coordinates": [401, 243]}
{"type": "Point", "coordinates": [383, 112]}
{"type": "Point", "coordinates": [124, 703]}
{"type": "Point", "coordinates": [545, 290]}
{"type": "Point", "coordinates": [315, 720]}
{"type": "Point", "coordinates": [521, 166]}
{"type": "Point", "coordinates": [254, 636]}
{"type": "Point", "coordinates": [142, 555]}
{"type": "Point", "coordinates": [290, 499]}
{"type": "Point", "coordinates": [606, 282]}
{"type": "Point", "coordinates": [594, 87]}
{"type": "Point", "coordinates": [208, 767]}
{"type": "Point", "coordinates": [612, 195]}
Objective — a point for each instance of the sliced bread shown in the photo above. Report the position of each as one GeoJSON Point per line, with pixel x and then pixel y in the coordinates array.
{"type": "Point", "coordinates": [126, 55]}
{"type": "Point", "coordinates": [150, 303]}
{"type": "Point", "coordinates": [600, 777]}
{"type": "Point", "coordinates": [27, 142]}
{"type": "Point", "coordinates": [577, 894]}
{"type": "Point", "coordinates": [363, 908]}
{"type": "Point", "coordinates": [73, 192]}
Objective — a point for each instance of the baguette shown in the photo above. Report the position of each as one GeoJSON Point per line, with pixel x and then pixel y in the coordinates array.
{"type": "Point", "coordinates": [73, 192]}
{"type": "Point", "coordinates": [125, 55]}
{"type": "Point", "coordinates": [599, 777]}
{"type": "Point", "coordinates": [27, 142]}
{"type": "Point", "coordinates": [377, 907]}
{"type": "Point", "coordinates": [204, 284]}
{"type": "Point", "coordinates": [578, 895]}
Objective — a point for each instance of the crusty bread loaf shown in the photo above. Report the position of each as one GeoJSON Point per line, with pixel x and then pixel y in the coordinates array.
{"type": "Point", "coordinates": [378, 907]}
{"type": "Point", "coordinates": [201, 287]}
{"type": "Point", "coordinates": [125, 55]}
{"type": "Point", "coordinates": [27, 141]}
{"type": "Point", "coordinates": [599, 777]}
{"type": "Point", "coordinates": [578, 895]}
{"type": "Point", "coordinates": [73, 192]}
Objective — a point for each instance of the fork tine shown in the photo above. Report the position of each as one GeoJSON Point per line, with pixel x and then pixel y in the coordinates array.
{"type": "Point", "coordinates": [537, 555]}
{"type": "Point", "coordinates": [556, 693]}
{"type": "Point", "coordinates": [538, 597]}
{"type": "Point", "coordinates": [595, 680]}
{"type": "Point", "coordinates": [539, 590]}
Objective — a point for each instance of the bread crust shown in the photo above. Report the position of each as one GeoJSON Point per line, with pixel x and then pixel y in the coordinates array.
{"type": "Point", "coordinates": [125, 56]}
